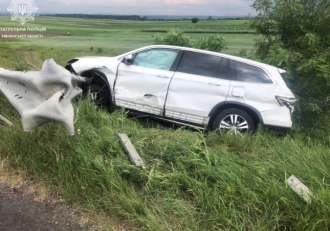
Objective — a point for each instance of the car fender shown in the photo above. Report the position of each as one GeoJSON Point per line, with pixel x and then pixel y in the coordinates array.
{"type": "Point", "coordinates": [254, 113]}
{"type": "Point", "coordinates": [102, 75]}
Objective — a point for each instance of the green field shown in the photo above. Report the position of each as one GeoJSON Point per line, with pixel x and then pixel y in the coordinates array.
{"type": "Point", "coordinates": [193, 180]}
{"type": "Point", "coordinates": [107, 37]}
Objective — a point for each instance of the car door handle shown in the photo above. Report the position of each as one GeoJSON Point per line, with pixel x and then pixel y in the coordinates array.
{"type": "Point", "coordinates": [215, 84]}
{"type": "Point", "coordinates": [162, 76]}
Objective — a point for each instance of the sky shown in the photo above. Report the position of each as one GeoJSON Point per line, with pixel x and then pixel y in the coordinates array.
{"type": "Point", "coordinates": [141, 7]}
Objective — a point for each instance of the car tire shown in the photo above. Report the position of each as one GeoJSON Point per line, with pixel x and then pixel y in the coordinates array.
{"type": "Point", "coordinates": [234, 121]}
{"type": "Point", "coordinates": [99, 95]}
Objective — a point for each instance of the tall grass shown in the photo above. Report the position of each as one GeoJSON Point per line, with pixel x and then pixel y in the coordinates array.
{"type": "Point", "coordinates": [193, 181]}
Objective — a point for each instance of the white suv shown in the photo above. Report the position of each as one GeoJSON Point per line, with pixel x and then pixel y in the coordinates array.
{"type": "Point", "coordinates": [191, 87]}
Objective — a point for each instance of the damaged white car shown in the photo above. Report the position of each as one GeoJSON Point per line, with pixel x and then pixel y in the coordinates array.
{"type": "Point", "coordinates": [190, 87]}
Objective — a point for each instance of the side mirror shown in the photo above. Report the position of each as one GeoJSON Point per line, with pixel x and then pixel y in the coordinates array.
{"type": "Point", "coordinates": [127, 60]}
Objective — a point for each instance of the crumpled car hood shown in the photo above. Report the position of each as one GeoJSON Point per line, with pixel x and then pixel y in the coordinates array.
{"type": "Point", "coordinates": [90, 62]}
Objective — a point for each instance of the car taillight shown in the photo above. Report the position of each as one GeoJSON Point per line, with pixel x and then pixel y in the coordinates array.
{"type": "Point", "coordinates": [288, 102]}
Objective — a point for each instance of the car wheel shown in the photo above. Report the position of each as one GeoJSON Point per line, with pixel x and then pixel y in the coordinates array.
{"type": "Point", "coordinates": [234, 121]}
{"type": "Point", "coordinates": [99, 95]}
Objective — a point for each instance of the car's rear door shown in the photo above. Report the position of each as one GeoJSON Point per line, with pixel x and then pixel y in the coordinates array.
{"type": "Point", "coordinates": [200, 83]}
{"type": "Point", "coordinates": [252, 86]}
{"type": "Point", "coordinates": [143, 85]}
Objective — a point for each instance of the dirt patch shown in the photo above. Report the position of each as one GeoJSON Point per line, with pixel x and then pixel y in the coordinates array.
{"type": "Point", "coordinates": [25, 205]}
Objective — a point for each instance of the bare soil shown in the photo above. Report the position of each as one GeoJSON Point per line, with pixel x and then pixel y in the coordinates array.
{"type": "Point", "coordinates": [26, 205]}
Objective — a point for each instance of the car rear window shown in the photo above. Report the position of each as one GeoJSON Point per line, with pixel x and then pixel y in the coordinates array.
{"type": "Point", "coordinates": [248, 73]}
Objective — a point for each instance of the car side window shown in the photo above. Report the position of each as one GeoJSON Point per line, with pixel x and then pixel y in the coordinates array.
{"type": "Point", "coordinates": [156, 58]}
{"type": "Point", "coordinates": [247, 73]}
{"type": "Point", "coordinates": [200, 64]}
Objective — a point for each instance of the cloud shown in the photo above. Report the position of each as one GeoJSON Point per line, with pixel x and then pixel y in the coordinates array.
{"type": "Point", "coordinates": [145, 7]}
{"type": "Point", "coordinates": [175, 2]}
{"type": "Point", "coordinates": [110, 2]}
{"type": "Point", "coordinates": [157, 2]}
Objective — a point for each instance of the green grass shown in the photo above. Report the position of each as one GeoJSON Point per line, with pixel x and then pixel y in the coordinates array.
{"type": "Point", "coordinates": [112, 36]}
{"type": "Point", "coordinates": [193, 181]}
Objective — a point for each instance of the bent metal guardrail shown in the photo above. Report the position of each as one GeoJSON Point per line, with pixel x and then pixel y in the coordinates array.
{"type": "Point", "coordinates": [42, 96]}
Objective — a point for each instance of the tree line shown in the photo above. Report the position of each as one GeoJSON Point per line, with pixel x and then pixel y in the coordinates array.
{"type": "Point", "coordinates": [139, 18]}
{"type": "Point", "coordinates": [295, 35]}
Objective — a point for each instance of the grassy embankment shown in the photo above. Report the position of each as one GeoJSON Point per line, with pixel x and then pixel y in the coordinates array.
{"type": "Point", "coordinates": [193, 181]}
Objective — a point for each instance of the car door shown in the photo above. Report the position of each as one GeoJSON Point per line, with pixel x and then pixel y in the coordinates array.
{"type": "Point", "coordinates": [252, 86]}
{"type": "Point", "coordinates": [200, 83]}
{"type": "Point", "coordinates": [143, 85]}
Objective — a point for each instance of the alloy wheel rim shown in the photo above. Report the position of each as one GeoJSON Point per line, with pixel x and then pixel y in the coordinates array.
{"type": "Point", "coordinates": [97, 98]}
{"type": "Point", "coordinates": [234, 124]}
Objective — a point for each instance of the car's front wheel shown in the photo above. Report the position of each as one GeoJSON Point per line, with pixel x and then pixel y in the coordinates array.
{"type": "Point", "coordinates": [99, 95]}
{"type": "Point", "coordinates": [234, 121]}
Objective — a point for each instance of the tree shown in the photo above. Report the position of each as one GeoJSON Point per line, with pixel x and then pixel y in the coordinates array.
{"type": "Point", "coordinates": [177, 37]}
{"type": "Point", "coordinates": [174, 37]}
{"type": "Point", "coordinates": [212, 43]}
{"type": "Point", "coordinates": [295, 35]}
{"type": "Point", "coordinates": [194, 20]}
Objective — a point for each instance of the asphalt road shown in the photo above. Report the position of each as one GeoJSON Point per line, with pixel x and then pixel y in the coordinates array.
{"type": "Point", "coordinates": [19, 212]}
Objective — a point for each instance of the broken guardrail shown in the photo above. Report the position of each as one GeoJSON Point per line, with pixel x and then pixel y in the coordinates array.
{"type": "Point", "coordinates": [42, 96]}
{"type": "Point", "coordinates": [300, 189]}
{"type": "Point", "coordinates": [130, 150]}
